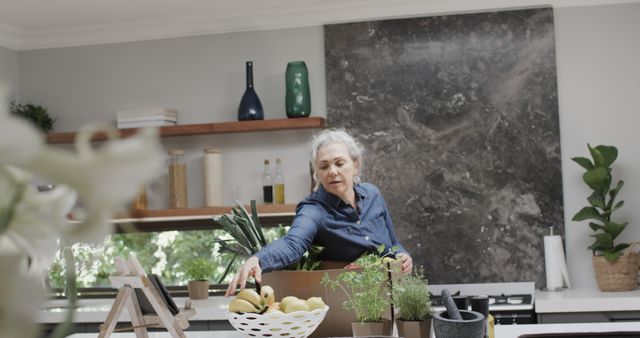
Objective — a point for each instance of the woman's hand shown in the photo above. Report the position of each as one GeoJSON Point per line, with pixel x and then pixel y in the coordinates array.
{"type": "Point", "coordinates": [407, 263]}
{"type": "Point", "coordinates": [251, 267]}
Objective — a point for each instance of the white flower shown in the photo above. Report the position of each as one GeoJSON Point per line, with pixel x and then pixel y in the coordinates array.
{"type": "Point", "coordinates": [105, 178]}
{"type": "Point", "coordinates": [31, 223]}
{"type": "Point", "coordinates": [21, 295]}
{"type": "Point", "coordinates": [20, 140]}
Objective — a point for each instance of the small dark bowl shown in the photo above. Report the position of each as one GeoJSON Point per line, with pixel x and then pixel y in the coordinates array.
{"type": "Point", "coordinates": [471, 325]}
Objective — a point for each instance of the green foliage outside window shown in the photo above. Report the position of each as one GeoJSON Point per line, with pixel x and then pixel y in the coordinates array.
{"type": "Point", "coordinates": [162, 253]}
{"type": "Point", "coordinates": [199, 269]}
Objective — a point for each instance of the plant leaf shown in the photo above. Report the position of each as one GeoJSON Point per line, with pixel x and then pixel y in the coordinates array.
{"type": "Point", "coordinates": [596, 199]}
{"type": "Point", "coordinates": [612, 256]}
{"type": "Point", "coordinates": [251, 226]}
{"type": "Point", "coordinates": [609, 154]}
{"type": "Point", "coordinates": [621, 246]}
{"type": "Point", "coordinates": [598, 179]}
{"type": "Point", "coordinates": [618, 206]}
{"type": "Point", "coordinates": [595, 226]}
{"type": "Point", "coordinates": [227, 269]}
{"type": "Point", "coordinates": [614, 229]}
{"type": "Point", "coordinates": [604, 241]}
{"type": "Point", "coordinates": [598, 159]}
{"type": "Point", "coordinates": [240, 250]}
{"type": "Point", "coordinates": [232, 229]}
{"type": "Point", "coordinates": [256, 221]}
{"type": "Point", "coordinates": [596, 246]}
{"type": "Point", "coordinates": [588, 213]}
{"type": "Point", "coordinates": [245, 225]}
{"type": "Point", "coordinates": [616, 190]}
{"type": "Point", "coordinates": [613, 193]}
{"type": "Point", "coordinates": [584, 162]}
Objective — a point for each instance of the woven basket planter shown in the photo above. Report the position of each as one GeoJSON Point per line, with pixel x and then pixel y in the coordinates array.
{"type": "Point", "coordinates": [618, 276]}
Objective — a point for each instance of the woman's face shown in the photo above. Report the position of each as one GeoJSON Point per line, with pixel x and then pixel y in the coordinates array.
{"type": "Point", "coordinates": [336, 169]}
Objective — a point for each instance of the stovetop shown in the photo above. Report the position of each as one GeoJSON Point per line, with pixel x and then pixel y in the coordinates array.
{"type": "Point", "coordinates": [502, 296]}
{"type": "Point", "coordinates": [496, 302]}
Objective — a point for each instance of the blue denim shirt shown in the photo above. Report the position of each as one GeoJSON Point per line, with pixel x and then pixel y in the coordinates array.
{"type": "Point", "coordinates": [324, 219]}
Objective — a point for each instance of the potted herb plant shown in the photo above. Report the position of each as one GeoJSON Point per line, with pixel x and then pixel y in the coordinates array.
{"type": "Point", "coordinates": [411, 296]}
{"type": "Point", "coordinates": [198, 271]}
{"type": "Point", "coordinates": [615, 265]}
{"type": "Point", "coordinates": [367, 294]}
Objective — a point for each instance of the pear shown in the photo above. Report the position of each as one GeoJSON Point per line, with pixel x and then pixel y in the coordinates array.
{"type": "Point", "coordinates": [267, 295]}
{"type": "Point", "coordinates": [274, 307]}
{"type": "Point", "coordinates": [241, 305]}
{"type": "Point", "coordinates": [296, 305]}
{"type": "Point", "coordinates": [315, 303]}
{"type": "Point", "coordinates": [285, 301]}
{"type": "Point", "coordinates": [250, 296]}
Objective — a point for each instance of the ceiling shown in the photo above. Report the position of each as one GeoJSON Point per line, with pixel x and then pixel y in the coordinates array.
{"type": "Point", "coordinates": [35, 24]}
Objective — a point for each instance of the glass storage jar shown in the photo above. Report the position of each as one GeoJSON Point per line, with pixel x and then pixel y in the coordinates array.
{"type": "Point", "coordinates": [213, 177]}
{"type": "Point", "coordinates": [177, 179]}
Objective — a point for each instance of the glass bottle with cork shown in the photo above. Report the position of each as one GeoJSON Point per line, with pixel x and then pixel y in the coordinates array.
{"type": "Point", "coordinates": [279, 183]}
{"type": "Point", "coordinates": [177, 179]}
{"type": "Point", "coordinates": [140, 201]}
{"type": "Point", "coordinates": [267, 184]}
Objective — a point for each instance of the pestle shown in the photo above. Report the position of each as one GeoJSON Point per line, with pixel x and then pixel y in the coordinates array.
{"type": "Point", "coordinates": [452, 310]}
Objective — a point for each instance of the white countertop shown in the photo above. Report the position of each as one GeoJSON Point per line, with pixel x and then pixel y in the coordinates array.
{"type": "Point", "coordinates": [189, 334]}
{"type": "Point", "coordinates": [586, 299]}
{"type": "Point", "coordinates": [513, 331]}
{"type": "Point", "coordinates": [96, 310]}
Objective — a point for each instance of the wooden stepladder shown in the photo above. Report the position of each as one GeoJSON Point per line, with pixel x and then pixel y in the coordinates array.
{"type": "Point", "coordinates": [130, 276]}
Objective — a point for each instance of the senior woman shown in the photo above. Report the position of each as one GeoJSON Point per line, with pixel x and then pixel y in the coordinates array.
{"type": "Point", "coordinates": [346, 217]}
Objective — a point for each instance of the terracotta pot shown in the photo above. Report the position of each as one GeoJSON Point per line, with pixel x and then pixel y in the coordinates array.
{"type": "Point", "coordinates": [617, 276]}
{"type": "Point", "coordinates": [417, 329]}
{"type": "Point", "coordinates": [381, 328]}
{"type": "Point", "coordinates": [198, 289]}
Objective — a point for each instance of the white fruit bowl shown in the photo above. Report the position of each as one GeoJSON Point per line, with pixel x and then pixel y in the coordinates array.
{"type": "Point", "coordinates": [299, 324]}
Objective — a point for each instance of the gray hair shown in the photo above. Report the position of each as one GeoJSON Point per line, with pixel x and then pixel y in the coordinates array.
{"type": "Point", "coordinates": [329, 136]}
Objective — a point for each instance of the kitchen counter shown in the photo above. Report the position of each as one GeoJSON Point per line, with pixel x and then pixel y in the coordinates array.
{"type": "Point", "coordinates": [587, 305]}
{"type": "Point", "coordinates": [96, 310]}
{"type": "Point", "coordinates": [189, 334]}
{"type": "Point", "coordinates": [514, 331]}
{"type": "Point", "coordinates": [586, 299]}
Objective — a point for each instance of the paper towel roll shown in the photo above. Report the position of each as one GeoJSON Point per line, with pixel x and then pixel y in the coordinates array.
{"type": "Point", "coordinates": [555, 264]}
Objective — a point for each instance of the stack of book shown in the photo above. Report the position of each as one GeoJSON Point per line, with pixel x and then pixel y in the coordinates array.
{"type": "Point", "coordinates": [137, 118]}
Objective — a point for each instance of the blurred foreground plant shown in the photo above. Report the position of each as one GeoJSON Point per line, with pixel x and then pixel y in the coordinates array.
{"type": "Point", "coordinates": [32, 223]}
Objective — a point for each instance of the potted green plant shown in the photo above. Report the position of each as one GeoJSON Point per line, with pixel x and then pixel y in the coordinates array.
{"type": "Point", "coordinates": [411, 296]}
{"type": "Point", "coordinates": [615, 269]}
{"type": "Point", "coordinates": [367, 294]}
{"type": "Point", "coordinates": [198, 271]}
{"type": "Point", "coordinates": [34, 113]}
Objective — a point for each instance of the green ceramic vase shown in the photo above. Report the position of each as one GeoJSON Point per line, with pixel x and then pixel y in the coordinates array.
{"type": "Point", "coordinates": [298, 96]}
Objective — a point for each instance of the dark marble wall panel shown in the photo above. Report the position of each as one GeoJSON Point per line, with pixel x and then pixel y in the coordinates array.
{"type": "Point", "coordinates": [459, 117]}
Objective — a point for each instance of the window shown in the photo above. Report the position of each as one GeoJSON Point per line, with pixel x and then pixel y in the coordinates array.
{"type": "Point", "coordinates": [162, 253]}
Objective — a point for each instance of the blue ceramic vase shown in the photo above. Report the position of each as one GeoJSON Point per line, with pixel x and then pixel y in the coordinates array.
{"type": "Point", "coordinates": [298, 96]}
{"type": "Point", "coordinates": [250, 106]}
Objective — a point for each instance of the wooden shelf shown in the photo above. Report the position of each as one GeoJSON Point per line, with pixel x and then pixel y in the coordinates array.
{"type": "Point", "coordinates": [208, 128]}
{"type": "Point", "coordinates": [197, 218]}
{"type": "Point", "coordinates": [263, 209]}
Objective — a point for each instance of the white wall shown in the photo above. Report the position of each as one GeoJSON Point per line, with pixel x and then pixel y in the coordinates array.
{"type": "Point", "coordinates": [204, 78]}
{"type": "Point", "coordinates": [598, 60]}
{"type": "Point", "coordinates": [8, 77]}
